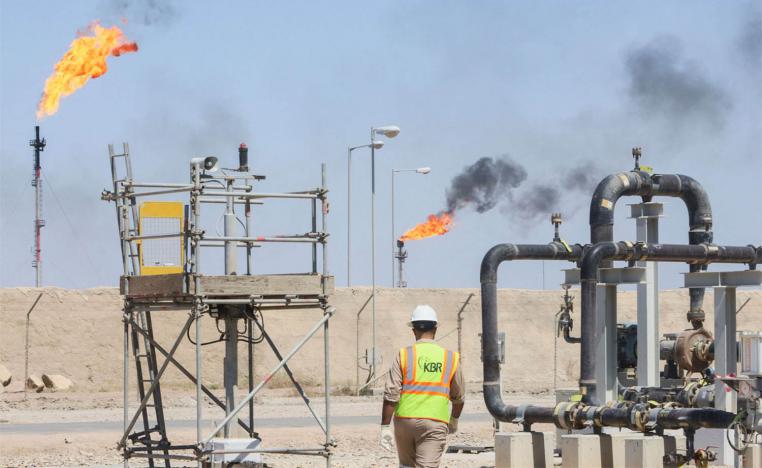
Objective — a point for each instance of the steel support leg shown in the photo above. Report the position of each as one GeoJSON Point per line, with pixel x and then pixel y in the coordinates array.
{"type": "Point", "coordinates": [605, 338]}
{"type": "Point", "coordinates": [126, 376]}
{"type": "Point", "coordinates": [725, 363]}
{"type": "Point", "coordinates": [230, 372]}
{"type": "Point", "coordinates": [648, 299]}
{"type": "Point", "coordinates": [327, 371]}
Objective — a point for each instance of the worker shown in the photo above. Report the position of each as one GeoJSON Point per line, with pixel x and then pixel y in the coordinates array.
{"type": "Point", "coordinates": [422, 381]}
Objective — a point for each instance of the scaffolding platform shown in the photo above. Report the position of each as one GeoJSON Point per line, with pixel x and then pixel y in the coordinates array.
{"type": "Point", "coordinates": [161, 245]}
{"type": "Point", "coordinates": [180, 287]}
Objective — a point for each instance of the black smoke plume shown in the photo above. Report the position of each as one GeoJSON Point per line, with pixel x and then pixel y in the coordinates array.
{"type": "Point", "coordinates": [543, 198]}
{"type": "Point", "coordinates": [663, 83]}
{"type": "Point", "coordinates": [485, 183]}
{"type": "Point", "coordinates": [540, 200]}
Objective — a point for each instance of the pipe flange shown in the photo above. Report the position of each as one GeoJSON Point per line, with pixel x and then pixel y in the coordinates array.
{"type": "Point", "coordinates": [560, 412]}
{"type": "Point", "coordinates": [651, 418]}
{"type": "Point", "coordinates": [578, 417]}
{"type": "Point", "coordinates": [636, 418]}
{"type": "Point", "coordinates": [520, 411]}
{"type": "Point", "coordinates": [597, 417]}
{"type": "Point", "coordinates": [590, 415]}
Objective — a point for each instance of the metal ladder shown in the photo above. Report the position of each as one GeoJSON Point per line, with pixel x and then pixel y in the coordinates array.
{"type": "Point", "coordinates": [145, 355]}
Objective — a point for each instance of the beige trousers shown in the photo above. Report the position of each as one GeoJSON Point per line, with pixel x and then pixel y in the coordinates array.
{"type": "Point", "coordinates": [420, 442]}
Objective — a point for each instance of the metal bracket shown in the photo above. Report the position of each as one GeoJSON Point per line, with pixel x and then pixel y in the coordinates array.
{"type": "Point", "coordinates": [646, 210]}
{"type": "Point", "coordinates": [519, 419]}
{"type": "Point", "coordinates": [707, 279]}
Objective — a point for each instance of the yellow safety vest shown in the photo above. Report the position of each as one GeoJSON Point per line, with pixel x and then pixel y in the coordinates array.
{"type": "Point", "coordinates": [427, 371]}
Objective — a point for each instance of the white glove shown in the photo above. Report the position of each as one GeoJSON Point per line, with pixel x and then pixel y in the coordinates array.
{"type": "Point", "coordinates": [387, 438]}
{"type": "Point", "coordinates": [452, 426]}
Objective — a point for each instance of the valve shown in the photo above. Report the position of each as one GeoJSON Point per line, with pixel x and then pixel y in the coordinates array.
{"type": "Point", "coordinates": [565, 320]}
{"type": "Point", "coordinates": [555, 220]}
{"type": "Point", "coordinates": [637, 153]}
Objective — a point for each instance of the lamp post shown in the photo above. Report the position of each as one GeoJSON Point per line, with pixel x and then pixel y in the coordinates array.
{"type": "Point", "coordinates": [375, 144]}
{"type": "Point", "coordinates": [389, 131]}
{"type": "Point", "coordinates": [420, 170]}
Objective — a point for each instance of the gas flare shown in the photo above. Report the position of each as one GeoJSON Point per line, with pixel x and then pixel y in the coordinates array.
{"type": "Point", "coordinates": [435, 225]}
{"type": "Point", "coordinates": [85, 59]}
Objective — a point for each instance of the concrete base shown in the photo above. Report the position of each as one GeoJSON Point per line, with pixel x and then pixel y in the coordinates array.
{"type": "Point", "coordinates": [674, 444]}
{"type": "Point", "coordinates": [752, 456]}
{"type": "Point", "coordinates": [543, 445]}
{"type": "Point", "coordinates": [524, 449]}
{"type": "Point", "coordinates": [230, 459]}
{"type": "Point", "coordinates": [643, 451]}
{"type": "Point", "coordinates": [581, 451]}
{"type": "Point", "coordinates": [613, 453]}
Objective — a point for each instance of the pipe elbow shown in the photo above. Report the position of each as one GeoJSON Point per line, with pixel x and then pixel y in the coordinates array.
{"type": "Point", "coordinates": [593, 257]}
{"type": "Point", "coordinates": [492, 259]}
{"type": "Point", "coordinates": [697, 201]}
{"type": "Point", "coordinates": [609, 190]}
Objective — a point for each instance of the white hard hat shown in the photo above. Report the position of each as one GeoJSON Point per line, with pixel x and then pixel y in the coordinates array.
{"type": "Point", "coordinates": [423, 313]}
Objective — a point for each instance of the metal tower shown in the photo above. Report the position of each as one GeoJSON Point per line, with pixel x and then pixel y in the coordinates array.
{"type": "Point", "coordinates": [39, 146]}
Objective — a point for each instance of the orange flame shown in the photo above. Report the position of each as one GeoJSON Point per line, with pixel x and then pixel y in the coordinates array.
{"type": "Point", "coordinates": [85, 59]}
{"type": "Point", "coordinates": [436, 225]}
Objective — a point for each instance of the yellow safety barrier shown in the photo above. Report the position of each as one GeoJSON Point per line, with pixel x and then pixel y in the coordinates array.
{"type": "Point", "coordinates": [163, 255]}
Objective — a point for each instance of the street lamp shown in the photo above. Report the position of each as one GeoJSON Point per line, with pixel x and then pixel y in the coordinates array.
{"type": "Point", "coordinates": [375, 144]}
{"type": "Point", "coordinates": [420, 170]}
{"type": "Point", "coordinates": [389, 131]}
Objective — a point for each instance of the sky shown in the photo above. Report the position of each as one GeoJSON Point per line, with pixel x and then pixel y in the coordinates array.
{"type": "Point", "coordinates": [562, 89]}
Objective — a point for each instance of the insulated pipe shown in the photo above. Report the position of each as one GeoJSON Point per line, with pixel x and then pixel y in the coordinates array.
{"type": "Point", "coordinates": [490, 348]}
{"type": "Point", "coordinates": [614, 186]}
{"type": "Point", "coordinates": [593, 258]}
{"type": "Point", "coordinates": [638, 418]}
{"type": "Point", "coordinates": [565, 415]}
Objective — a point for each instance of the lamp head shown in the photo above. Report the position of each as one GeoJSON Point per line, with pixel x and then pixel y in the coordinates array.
{"type": "Point", "coordinates": [423, 170]}
{"type": "Point", "coordinates": [389, 131]}
{"type": "Point", "coordinates": [377, 144]}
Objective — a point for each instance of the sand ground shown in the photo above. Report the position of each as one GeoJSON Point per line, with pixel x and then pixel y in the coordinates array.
{"type": "Point", "coordinates": [81, 429]}
{"type": "Point", "coordinates": [78, 333]}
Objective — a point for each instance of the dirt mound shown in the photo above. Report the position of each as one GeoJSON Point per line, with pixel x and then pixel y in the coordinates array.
{"type": "Point", "coordinates": [79, 333]}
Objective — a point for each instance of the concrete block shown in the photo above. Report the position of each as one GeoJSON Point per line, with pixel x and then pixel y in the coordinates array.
{"type": "Point", "coordinates": [34, 382]}
{"type": "Point", "coordinates": [752, 456]}
{"type": "Point", "coordinates": [674, 444]}
{"type": "Point", "coordinates": [613, 453]}
{"type": "Point", "coordinates": [513, 450]}
{"type": "Point", "coordinates": [644, 451]}
{"type": "Point", "coordinates": [5, 376]}
{"type": "Point", "coordinates": [56, 382]}
{"type": "Point", "coordinates": [581, 451]}
{"type": "Point", "coordinates": [543, 445]}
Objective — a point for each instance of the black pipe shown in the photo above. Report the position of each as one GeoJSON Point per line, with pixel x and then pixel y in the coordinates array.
{"type": "Point", "coordinates": [593, 258]}
{"type": "Point", "coordinates": [568, 415]}
{"type": "Point", "coordinates": [690, 191]}
{"type": "Point", "coordinates": [676, 418]}
{"type": "Point", "coordinates": [490, 348]}
{"type": "Point", "coordinates": [571, 339]}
